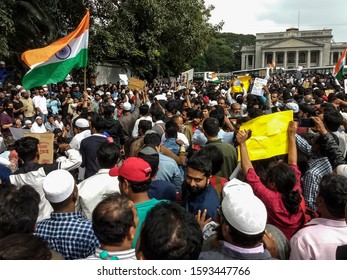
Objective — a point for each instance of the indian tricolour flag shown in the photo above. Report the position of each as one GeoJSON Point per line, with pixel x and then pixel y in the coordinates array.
{"type": "Point", "coordinates": [338, 69]}
{"type": "Point", "coordinates": [51, 64]}
{"type": "Point", "coordinates": [213, 77]}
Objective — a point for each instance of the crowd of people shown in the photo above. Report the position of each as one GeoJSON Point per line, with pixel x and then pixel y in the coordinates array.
{"type": "Point", "coordinates": [154, 173]}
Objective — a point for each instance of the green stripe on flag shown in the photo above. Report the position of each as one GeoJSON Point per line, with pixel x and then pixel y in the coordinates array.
{"type": "Point", "coordinates": [54, 72]}
{"type": "Point", "coordinates": [339, 75]}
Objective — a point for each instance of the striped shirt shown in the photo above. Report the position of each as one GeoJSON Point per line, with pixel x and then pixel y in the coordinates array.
{"type": "Point", "coordinates": [121, 255]}
{"type": "Point", "coordinates": [317, 167]}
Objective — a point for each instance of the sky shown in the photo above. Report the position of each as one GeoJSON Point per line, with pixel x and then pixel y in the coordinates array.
{"type": "Point", "coordinates": [261, 16]}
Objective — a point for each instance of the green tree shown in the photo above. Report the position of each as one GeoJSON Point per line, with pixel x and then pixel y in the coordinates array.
{"type": "Point", "coordinates": [223, 53]}
{"type": "Point", "coordinates": [160, 37]}
{"type": "Point", "coordinates": [149, 38]}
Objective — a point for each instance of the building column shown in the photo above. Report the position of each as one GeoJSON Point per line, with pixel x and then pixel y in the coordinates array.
{"type": "Point", "coordinates": [253, 61]}
{"type": "Point", "coordinates": [296, 58]}
{"type": "Point", "coordinates": [274, 57]}
{"type": "Point", "coordinates": [243, 62]}
{"type": "Point", "coordinates": [332, 58]}
{"type": "Point", "coordinates": [285, 60]}
{"type": "Point", "coordinates": [308, 58]}
{"type": "Point", "coordinates": [320, 58]}
{"type": "Point", "coordinates": [263, 59]}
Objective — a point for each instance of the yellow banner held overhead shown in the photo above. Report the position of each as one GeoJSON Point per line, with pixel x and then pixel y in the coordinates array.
{"type": "Point", "coordinates": [269, 135]}
{"type": "Point", "coordinates": [235, 83]}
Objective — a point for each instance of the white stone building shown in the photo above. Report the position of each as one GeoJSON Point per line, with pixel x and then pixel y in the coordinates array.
{"type": "Point", "coordinates": [293, 48]}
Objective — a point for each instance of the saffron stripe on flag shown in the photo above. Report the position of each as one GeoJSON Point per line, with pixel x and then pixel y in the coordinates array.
{"type": "Point", "coordinates": [54, 71]}
{"type": "Point", "coordinates": [33, 57]}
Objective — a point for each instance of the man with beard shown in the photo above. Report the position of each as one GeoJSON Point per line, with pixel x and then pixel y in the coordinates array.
{"type": "Point", "coordinates": [38, 126]}
{"type": "Point", "coordinates": [197, 192]}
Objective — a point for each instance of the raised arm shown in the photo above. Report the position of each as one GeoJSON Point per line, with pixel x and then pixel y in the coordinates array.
{"type": "Point", "coordinates": [329, 145]}
{"type": "Point", "coordinates": [246, 163]}
{"type": "Point", "coordinates": [186, 93]}
{"type": "Point", "coordinates": [292, 151]}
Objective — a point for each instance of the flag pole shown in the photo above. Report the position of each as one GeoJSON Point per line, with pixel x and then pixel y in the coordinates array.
{"type": "Point", "coordinates": [85, 71]}
{"type": "Point", "coordinates": [85, 78]}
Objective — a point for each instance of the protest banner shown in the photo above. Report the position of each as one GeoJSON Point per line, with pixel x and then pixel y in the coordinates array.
{"type": "Point", "coordinates": [46, 150]}
{"type": "Point", "coordinates": [236, 83]}
{"type": "Point", "coordinates": [258, 85]}
{"type": "Point", "coordinates": [123, 79]}
{"type": "Point", "coordinates": [136, 84]}
{"type": "Point", "coordinates": [269, 135]}
{"type": "Point", "coordinates": [185, 78]}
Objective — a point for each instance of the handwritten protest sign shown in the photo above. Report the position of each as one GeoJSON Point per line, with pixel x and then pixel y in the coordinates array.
{"type": "Point", "coordinates": [45, 146]}
{"type": "Point", "coordinates": [258, 86]}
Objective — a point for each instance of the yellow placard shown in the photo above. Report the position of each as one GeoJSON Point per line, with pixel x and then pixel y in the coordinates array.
{"type": "Point", "coordinates": [45, 146]}
{"type": "Point", "coordinates": [328, 91]}
{"type": "Point", "coordinates": [136, 84]}
{"type": "Point", "coordinates": [245, 80]}
{"type": "Point", "coordinates": [269, 135]}
{"type": "Point", "coordinates": [306, 84]}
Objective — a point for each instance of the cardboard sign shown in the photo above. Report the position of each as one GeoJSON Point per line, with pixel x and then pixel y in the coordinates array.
{"type": "Point", "coordinates": [45, 146]}
{"type": "Point", "coordinates": [136, 84]}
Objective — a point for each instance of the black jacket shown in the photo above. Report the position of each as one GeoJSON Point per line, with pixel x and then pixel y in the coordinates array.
{"type": "Point", "coordinates": [332, 151]}
{"type": "Point", "coordinates": [115, 130]}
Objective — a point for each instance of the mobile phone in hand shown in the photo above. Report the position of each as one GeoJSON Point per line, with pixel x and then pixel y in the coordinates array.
{"type": "Point", "coordinates": [306, 122]}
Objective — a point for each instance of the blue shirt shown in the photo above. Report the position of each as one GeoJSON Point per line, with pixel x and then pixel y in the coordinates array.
{"type": "Point", "coordinates": [200, 139]}
{"type": "Point", "coordinates": [208, 200]}
{"type": "Point", "coordinates": [54, 105]}
{"type": "Point", "coordinates": [317, 167]}
{"type": "Point", "coordinates": [69, 234]}
{"type": "Point", "coordinates": [171, 144]}
{"type": "Point", "coordinates": [169, 171]}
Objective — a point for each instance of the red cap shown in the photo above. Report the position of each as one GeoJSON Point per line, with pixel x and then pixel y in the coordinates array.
{"type": "Point", "coordinates": [206, 99]}
{"type": "Point", "coordinates": [325, 98]}
{"type": "Point", "coordinates": [133, 169]}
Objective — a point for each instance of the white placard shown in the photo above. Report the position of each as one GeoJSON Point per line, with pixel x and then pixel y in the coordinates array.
{"type": "Point", "coordinates": [345, 83]}
{"type": "Point", "coordinates": [123, 79]}
{"type": "Point", "coordinates": [258, 86]}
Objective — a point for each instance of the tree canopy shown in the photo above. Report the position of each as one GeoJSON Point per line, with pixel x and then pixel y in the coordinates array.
{"type": "Point", "coordinates": [149, 38]}
{"type": "Point", "coordinates": [223, 53]}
